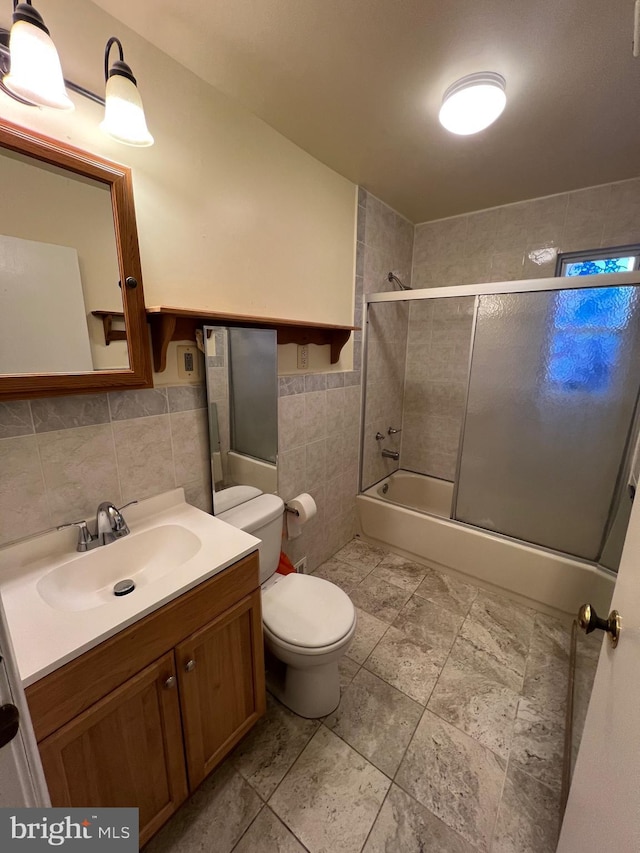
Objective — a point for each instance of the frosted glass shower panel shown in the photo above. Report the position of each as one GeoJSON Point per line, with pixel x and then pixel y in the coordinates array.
{"type": "Point", "coordinates": [253, 377]}
{"type": "Point", "coordinates": [552, 393]}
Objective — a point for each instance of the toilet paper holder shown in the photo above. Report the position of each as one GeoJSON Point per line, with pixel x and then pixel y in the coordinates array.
{"type": "Point", "coordinates": [291, 509]}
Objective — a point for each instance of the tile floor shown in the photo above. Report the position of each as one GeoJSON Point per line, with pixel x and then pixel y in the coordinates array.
{"type": "Point", "coordinates": [448, 737]}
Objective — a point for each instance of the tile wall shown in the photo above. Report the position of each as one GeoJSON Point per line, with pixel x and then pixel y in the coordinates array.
{"type": "Point", "coordinates": [318, 437]}
{"type": "Point", "coordinates": [496, 244]}
{"type": "Point", "coordinates": [435, 384]}
{"type": "Point", "coordinates": [61, 456]}
{"type": "Point", "coordinates": [385, 244]}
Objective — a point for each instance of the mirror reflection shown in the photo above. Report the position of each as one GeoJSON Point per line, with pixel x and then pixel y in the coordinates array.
{"type": "Point", "coordinates": [58, 264]}
{"type": "Point", "coordinates": [242, 393]}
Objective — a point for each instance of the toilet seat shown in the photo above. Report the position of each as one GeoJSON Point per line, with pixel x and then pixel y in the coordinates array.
{"type": "Point", "coordinates": [307, 613]}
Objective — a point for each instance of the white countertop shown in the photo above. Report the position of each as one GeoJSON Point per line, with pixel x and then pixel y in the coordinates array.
{"type": "Point", "coordinates": [44, 637]}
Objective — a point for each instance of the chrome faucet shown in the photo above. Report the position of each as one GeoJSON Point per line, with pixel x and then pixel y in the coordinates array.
{"type": "Point", "coordinates": [391, 454]}
{"type": "Point", "coordinates": [110, 525]}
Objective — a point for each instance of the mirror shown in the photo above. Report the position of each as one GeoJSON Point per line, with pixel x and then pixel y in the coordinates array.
{"type": "Point", "coordinates": [242, 394]}
{"type": "Point", "coordinates": [67, 240]}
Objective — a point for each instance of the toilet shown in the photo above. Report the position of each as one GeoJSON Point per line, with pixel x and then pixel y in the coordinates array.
{"type": "Point", "coordinates": [308, 622]}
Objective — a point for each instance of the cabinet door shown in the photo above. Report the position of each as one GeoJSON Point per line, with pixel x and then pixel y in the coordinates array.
{"type": "Point", "coordinates": [125, 750]}
{"type": "Point", "coordinates": [222, 693]}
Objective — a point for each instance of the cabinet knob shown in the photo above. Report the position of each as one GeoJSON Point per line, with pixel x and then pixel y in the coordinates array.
{"type": "Point", "coordinates": [170, 682]}
{"type": "Point", "coordinates": [189, 665]}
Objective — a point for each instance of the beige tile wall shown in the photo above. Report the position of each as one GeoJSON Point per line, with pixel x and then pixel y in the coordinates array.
{"type": "Point", "coordinates": [318, 436]}
{"type": "Point", "coordinates": [59, 457]}
{"type": "Point", "coordinates": [494, 244]}
{"type": "Point", "coordinates": [385, 244]}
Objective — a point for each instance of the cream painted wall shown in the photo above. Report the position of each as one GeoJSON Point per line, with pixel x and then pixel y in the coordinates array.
{"type": "Point", "coordinates": [231, 215]}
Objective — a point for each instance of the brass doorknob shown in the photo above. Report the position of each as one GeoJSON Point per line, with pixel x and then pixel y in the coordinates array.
{"type": "Point", "coordinates": [589, 621]}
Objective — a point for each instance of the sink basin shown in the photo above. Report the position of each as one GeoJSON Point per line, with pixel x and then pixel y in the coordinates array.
{"type": "Point", "coordinates": [87, 580]}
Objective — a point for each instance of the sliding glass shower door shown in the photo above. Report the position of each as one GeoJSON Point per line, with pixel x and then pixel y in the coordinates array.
{"type": "Point", "coordinates": [552, 393]}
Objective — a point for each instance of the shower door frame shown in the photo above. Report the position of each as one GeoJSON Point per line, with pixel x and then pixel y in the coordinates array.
{"type": "Point", "coordinates": [530, 285]}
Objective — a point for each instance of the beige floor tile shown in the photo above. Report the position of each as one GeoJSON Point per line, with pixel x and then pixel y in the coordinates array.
{"type": "Point", "coordinates": [345, 575]}
{"type": "Point", "coordinates": [405, 665]}
{"type": "Point", "coordinates": [401, 572]}
{"type": "Point", "coordinates": [447, 592]}
{"type": "Point", "coordinates": [482, 707]}
{"type": "Point", "coordinates": [369, 630]}
{"type": "Point", "coordinates": [272, 746]}
{"type": "Point", "coordinates": [360, 554]}
{"type": "Point", "coordinates": [455, 777]}
{"type": "Point", "coordinates": [267, 834]}
{"type": "Point", "coordinates": [214, 818]}
{"type": "Point", "coordinates": [331, 796]}
{"type": "Point", "coordinates": [528, 819]}
{"type": "Point", "coordinates": [379, 598]}
{"type": "Point", "coordinates": [376, 719]}
{"type": "Point", "coordinates": [405, 826]}
{"type": "Point", "coordinates": [429, 626]}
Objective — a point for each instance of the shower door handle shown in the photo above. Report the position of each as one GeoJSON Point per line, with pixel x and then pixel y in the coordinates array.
{"type": "Point", "coordinates": [589, 621]}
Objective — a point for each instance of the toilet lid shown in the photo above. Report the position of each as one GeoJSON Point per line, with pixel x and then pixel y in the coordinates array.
{"type": "Point", "coordinates": [307, 611]}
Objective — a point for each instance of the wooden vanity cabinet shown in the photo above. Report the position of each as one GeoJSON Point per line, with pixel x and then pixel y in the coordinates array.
{"type": "Point", "coordinates": [143, 718]}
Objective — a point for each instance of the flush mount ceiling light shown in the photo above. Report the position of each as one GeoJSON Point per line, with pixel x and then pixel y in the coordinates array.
{"type": "Point", "coordinates": [473, 103]}
{"type": "Point", "coordinates": [35, 75]}
{"type": "Point", "coordinates": [123, 113]}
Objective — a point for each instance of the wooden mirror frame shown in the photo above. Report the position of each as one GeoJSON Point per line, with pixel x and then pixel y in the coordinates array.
{"type": "Point", "coordinates": [118, 178]}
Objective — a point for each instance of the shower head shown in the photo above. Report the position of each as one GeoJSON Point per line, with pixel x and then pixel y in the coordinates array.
{"type": "Point", "coordinates": [394, 279]}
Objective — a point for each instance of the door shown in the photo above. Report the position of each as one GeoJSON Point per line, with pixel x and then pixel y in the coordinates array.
{"type": "Point", "coordinates": [603, 811]}
{"type": "Point", "coordinates": [222, 692]}
{"type": "Point", "coordinates": [126, 750]}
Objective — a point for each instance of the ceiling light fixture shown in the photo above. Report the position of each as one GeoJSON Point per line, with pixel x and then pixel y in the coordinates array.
{"type": "Point", "coordinates": [35, 75]}
{"type": "Point", "coordinates": [123, 113]}
{"type": "Point", "coordinates": [473, 103]}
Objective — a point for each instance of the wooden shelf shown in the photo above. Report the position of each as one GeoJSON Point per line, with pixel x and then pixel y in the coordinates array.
{"type": "Point", "coordinates": [111, 334]}
{"type": "Point", "coordinates": [179, 324]}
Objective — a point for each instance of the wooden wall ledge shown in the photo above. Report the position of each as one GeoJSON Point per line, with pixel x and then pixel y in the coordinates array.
{"type": "Point", "coordinates": [180, 324]}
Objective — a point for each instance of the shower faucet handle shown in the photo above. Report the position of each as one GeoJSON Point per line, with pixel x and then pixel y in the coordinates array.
{"type": "Point", "coordinates": [393, 431]}
{"type": "Point", "coordinates": [379, 436]}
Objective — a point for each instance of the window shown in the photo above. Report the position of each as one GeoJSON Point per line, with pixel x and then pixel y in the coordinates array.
{"type": "Point", "coordinates": [596, 261]}
{"type": "Point", "coordinates": [585, 338]}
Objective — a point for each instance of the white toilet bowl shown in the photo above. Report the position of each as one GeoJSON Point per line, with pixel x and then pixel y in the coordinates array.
{"type": "Point", "coordinates": [308, 622]}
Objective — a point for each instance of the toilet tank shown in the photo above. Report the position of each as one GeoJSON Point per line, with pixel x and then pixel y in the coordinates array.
{"type": "Point", "coordinates": [262, 517]}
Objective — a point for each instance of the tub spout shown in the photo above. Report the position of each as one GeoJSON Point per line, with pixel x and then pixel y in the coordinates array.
{"type": "Point", "coordinates": [391, 454]}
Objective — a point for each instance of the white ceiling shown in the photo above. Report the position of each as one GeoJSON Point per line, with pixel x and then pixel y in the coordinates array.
{"type": "Point", "coordinates": [358, 84]}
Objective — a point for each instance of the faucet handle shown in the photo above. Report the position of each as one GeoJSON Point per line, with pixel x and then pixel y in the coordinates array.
{"type": "Point", "coordinates": [393, 431]}
{"type": "Point", "coordinates": [84, 536]}
{"type": "Point", "coordinates": [119, 524]}
{"type": "Point", "coordinates": [129, 503]}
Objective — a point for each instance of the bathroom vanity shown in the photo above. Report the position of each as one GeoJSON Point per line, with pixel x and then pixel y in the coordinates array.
{"type": "Point", "coordinates": [145, 714]}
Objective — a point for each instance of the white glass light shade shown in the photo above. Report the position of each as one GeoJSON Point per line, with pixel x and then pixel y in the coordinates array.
{"type": "Point", "coordinates": [123, 113]}
{"type": "Point", "coordinates": [35, 73]}
{"type": "Point", "coordinates": [473, 103]}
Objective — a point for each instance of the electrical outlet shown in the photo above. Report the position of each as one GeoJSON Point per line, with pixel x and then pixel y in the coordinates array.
{"type": "Point", "coordinates": [188, 363]}
{"type": "Point", "coordinates": [303, 356]}
{"type": "Point", "coordinates": [301, 566]}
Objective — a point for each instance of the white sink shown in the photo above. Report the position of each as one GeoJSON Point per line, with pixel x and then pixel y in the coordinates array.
{"type": "Point", "coordinates": [87, 581]}
{"type": "Point", "coordinates": [59, 603]}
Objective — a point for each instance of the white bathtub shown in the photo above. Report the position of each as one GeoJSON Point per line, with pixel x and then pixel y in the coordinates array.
{"type": "Point", "coordinates": [545, 579]}
{"type": "Point", "coordinates": [415, 491]}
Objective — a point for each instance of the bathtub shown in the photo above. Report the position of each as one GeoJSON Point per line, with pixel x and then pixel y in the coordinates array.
{"type": "Point", "coordinates": [409, 514]}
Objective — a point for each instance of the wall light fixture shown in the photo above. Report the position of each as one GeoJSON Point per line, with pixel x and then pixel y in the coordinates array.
{"type": "Point", "coordinates": [30, 73]}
